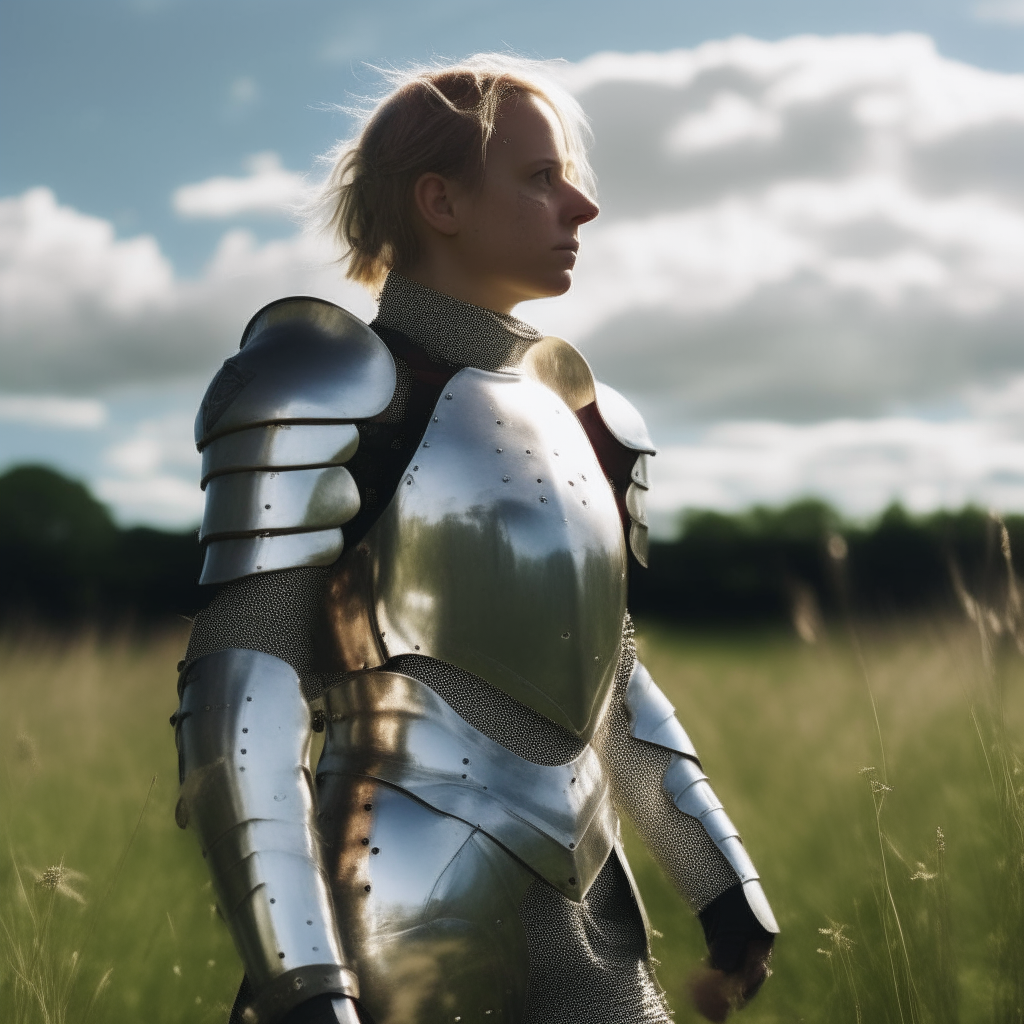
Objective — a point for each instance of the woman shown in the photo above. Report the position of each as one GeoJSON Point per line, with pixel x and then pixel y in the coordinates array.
{"type": "Point", "coordinates": [427, 525]}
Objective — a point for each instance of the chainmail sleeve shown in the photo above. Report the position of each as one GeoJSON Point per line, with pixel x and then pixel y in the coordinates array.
{"type": "Point", "coordinates": [277, 613]}
{"type": "Point", "coordinates": [679, 843]}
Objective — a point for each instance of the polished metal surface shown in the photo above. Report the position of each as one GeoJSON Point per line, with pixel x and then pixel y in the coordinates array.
{"type": "Point", "coordinates": [427, 906]}
{"type": "Point", "coordinates": [243, 734]}
{"type": "Point", "coordinates": [502, 551]}
{"type": "Point", "coordinates": [302, 360]}
{"type": "Point", "coordinates": [636, 506]}
{"type": "Point", "coordinates": [296, 499]}
{"type": "Point", "coordinates": [558, 819]}
{"type": "Point", "coordinates": [639, 474]}
{"type": "Point", "coordinates": [652, 717]}
{"type": "Point", "coordinates": [639, 543]}
{"type": "Point", "coordinates": [280, 446]}
{"type": "Point", "coordinates": [557, 365]}
{"type": "Point", "coordinates": [688, 786]}
{"type": "Point", "coordinates": [623, 420]}
{"type": "Point", "coordinates": [226, 560]}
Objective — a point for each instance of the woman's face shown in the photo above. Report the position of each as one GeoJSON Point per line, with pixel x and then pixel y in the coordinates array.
{"type": "Point", "coordinates": [515, 235]}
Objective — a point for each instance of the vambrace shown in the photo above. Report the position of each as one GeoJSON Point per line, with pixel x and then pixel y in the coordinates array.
{"type": "Point", "coordinates": [652, 721]}
{"type": "Point", "coordinates": [243, 731]}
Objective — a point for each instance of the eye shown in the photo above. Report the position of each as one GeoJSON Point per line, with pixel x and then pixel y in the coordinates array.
{"type": "Point", "coordinates": [546, 175]}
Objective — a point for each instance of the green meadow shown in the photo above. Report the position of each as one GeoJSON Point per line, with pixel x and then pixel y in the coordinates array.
{"type": "Point", "coordinates": [874, 774]}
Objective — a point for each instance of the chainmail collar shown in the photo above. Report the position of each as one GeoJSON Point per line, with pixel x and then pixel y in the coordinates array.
{"type": "Point", "coordinates": [451, 331]}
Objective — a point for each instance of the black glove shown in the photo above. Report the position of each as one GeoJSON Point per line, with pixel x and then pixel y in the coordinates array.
{"type": "Point", "coordinates": [739, 950]}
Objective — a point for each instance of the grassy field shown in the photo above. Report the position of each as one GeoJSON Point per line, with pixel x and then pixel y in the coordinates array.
{"type": "Point", "coordinates": [896, 875]}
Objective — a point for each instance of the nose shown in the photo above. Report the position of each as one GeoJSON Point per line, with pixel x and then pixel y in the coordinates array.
{"type": "Point", "coordinates": [582, 208]}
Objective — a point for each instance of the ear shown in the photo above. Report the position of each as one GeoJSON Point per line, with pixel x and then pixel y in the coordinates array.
{"type": "Point", "coordinates": [434, 199]}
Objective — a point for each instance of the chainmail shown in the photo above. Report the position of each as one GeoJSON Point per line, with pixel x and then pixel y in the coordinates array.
{"type": "Point", "coordinates": [497, 715]}
{"type": "Point", "coordinates": [679, 843]}
{"type": "Point", "coordinates": [588, 960]}
{"type": "Point", "coordinates": [277, 613]}
{"type": "Point", "coordinates": [451, 331]}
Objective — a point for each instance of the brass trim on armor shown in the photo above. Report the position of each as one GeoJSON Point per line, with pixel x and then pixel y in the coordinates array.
{"type": "Point", "coordinates": [225, 560]}
{"type": "Point", "coordinates": [561, 367]}
{"type": "Point", "coordinates": [557, 819]}
{"type": "Point", "coordinates": [280, 446]}
{"type": "Point", "coordinates": [268, 501]}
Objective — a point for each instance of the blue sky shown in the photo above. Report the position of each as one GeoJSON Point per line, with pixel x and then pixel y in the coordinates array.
{"type": "Point", "coordinates": [114, 107]}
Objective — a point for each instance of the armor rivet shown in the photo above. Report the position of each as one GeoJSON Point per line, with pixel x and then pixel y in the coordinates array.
{"type": "Point", "coordinates": [506, 478]}
{"type": "Point", "coordinates": [572, 881]}
{"type": "Point", "coordinates": [280, 956]}
{"type": "Point", "coordinates": [241, 769]}
{"type": "Point", "coordinates": [367, 807]}
{"type": "Point", "coordinates": [556, 452]}
{"type": "Point", "coordinates": [266, 506]}
{"type": "Point", "coordinates": [499, 920]}
{"type": "Point", "coordinates": [316, 949]}
{"type": "Point", "coordinates": [572, 483]}
{"type": "Point", "coordinates": [565, 635]}
{"type": "Point", "coordinates": [572, 846]}
{"type": "Point", "coordinates": [245, 730]}
{"type": "Point", "coordinates": [539, 480]}
{"type": "Point", "coordinates": [206, 707]}
{"type": "Point", "coordinates": [409, 481]}
{"type": "Point", "coordinates": [583, 478]}
{"type": "Point", "coordinates": [272, 900]}
{"type": "Point", "coordinates": [366, 888]}
{"type": "Point", "coordinates": [597, 657]}
{"type": "Point", "coordinates": [248, 698]}
{"type": "Point", "coordinates": [415, 647]}
{"type": "Point", "coordinates": [498, 422]}
{"type": "Point", "coordinates": [376, 849]}
{"type": "Point", "coordinates": [365, 841]}
{"type": "Point", "coordinates": [426, 444]}
{"type": "Point", "coordinates": [584, 502]}
{"type": "Point", "coordinates": [259, 566]}
{"type": "Point", "coordinates": [449, 396]}
{"type": "Point", "coordinates": [465, 760]}
{"type": "Point", "coordinates": [528, 452]}
{"type": "Point", "coordinates": [572, 781]}
{"type": "Point", "coordinates": [464, 776]}
{"type": "Point", "coordinates": [297, 983]}
{"type": "Point", "coordinates": [543, 499]}
{"type": "Point", "coordinates": [243, 750]}
{"type": "Point", "coordinates": [415, 469]}
{"type": "Point", "coordinates": [499, 450]}
{"type": "Point", "coordinates": [309, 922]}
{"type": "Point", "coordinates": [435, 419]}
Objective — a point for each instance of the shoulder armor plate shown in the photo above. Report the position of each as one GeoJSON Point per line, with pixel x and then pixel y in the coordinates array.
{"type": "Point", "coordinates": [561, 367]}
{"type": "Point", "coordinates": [275, 429]}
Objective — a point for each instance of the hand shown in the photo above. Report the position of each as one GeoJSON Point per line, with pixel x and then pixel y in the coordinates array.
{"type": "Point", "coordinates": [716, 994]}
{"type": "Point", "coordinates": [328, 1009]}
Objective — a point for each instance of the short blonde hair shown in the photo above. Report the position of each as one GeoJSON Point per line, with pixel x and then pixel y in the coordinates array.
{"type": "Point", "coordinates": [438, 120]}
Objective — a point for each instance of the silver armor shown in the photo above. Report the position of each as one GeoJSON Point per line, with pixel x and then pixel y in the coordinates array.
{"type": "Point", "coordinates": [243, 734]}
{"type": "Point", "coordinates": [274, 429]}
{"type": "Point", "coordinates": [503, 556]}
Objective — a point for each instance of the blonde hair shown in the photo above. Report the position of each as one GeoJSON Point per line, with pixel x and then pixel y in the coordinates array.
{"type": "Point", "coordinates": [436, 119]}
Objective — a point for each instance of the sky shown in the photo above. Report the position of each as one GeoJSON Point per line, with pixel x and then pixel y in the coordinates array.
{"type": "Point", "coordinates": [808, 272]}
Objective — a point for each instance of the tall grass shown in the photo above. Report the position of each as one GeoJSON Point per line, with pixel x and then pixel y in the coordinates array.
{"type": "Point", "coordinates": [897, 881]}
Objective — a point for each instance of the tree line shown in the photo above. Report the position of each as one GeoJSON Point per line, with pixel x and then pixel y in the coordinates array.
{"type": "Point", "coordinates": [64, 561]}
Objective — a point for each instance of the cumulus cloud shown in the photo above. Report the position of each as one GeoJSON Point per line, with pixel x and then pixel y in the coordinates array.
{"type": "Point", "coordinates": [82, 310]}
{"type": "Point", "coordinates": [1007, 12]}
{"type": "Point", "coordinates": [152, 475]}
{"type": "Point", "coordinates": [267, 189]}
{"type": "Point", "coordinates": [800, 228]}
{"type": "Point", "coordinates": [53, 411]}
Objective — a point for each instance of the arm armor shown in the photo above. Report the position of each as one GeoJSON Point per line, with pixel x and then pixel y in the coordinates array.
{"type": "Point", "coordinates": [275, 428]}
{"type": "Point", "coordinates": [242, 733]}
{"type": "Point", "coordinates": [652, 720]}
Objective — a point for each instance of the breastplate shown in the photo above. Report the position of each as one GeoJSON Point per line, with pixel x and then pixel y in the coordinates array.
{"type": "Point", "coordinates": [502, 551]}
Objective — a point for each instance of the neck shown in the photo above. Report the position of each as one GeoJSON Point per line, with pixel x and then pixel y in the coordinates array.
{"type": "Point", "coordinates": [451, 329]}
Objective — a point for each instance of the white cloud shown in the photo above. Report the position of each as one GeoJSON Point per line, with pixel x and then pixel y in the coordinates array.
{"type": "Point", "coordinates": [81, 310]}
{"type": "Point", "coordinates": [53, 411]}
{"type": "Point", "coordinates": [268, 189]}
{"type": "Point", "coordinates": [155, 473]}
{"type": "Point", "coordinates": [859, 465]}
